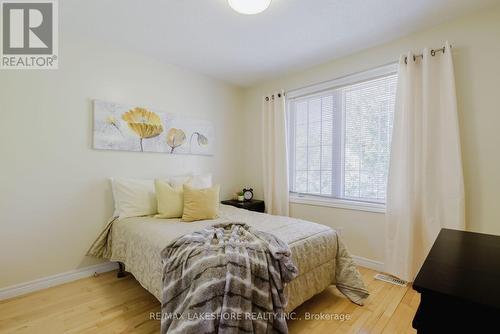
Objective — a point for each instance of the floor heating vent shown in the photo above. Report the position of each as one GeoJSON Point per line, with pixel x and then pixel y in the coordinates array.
{"type": "Point", "coordinates": [390, 279]}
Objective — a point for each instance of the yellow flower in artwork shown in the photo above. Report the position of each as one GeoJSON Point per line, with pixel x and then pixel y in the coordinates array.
{"type": "Point", "coordinates": [144, 123]}
{"type": "Point", "coordinates": [175, 138]}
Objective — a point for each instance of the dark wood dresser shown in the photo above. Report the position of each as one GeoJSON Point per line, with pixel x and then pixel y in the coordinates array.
{"type": "Point", "coordinates": [459, 284]}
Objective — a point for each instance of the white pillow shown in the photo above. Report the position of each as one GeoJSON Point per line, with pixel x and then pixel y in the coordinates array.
{"type": "Point", "coordinates": [194, 181]}
{"type": "Point", "coordinates": [134, 198]}
{"type": "Point", "coordinates": [178, 181]}
{"type": "Point", "coordinates": [201, 181]}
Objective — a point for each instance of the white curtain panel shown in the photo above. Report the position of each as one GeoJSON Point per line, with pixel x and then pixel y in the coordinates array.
{"type": "Point", "coordinates": [425, 187]}
{"type": "Point", "coordinates": [274, 154]}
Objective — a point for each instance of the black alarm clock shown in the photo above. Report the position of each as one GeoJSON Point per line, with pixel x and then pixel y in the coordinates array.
{"type": "Point", "coordinates": [248, 194]}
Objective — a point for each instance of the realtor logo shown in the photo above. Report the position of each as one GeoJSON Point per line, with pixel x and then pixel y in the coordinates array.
{"type": "Point", "coordinates": [29, 34]}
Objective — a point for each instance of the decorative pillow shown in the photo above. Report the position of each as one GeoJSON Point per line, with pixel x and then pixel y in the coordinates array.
{"type": "Point", "coordinates": [170, 200]}
{"type": "Point", "coordinates": [200, 204]}
{"type": "Point", "coordinates": [134, 198]}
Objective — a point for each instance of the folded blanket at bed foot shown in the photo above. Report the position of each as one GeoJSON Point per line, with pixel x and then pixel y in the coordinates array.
{"type": "Point", "coordinates": [227, 278]}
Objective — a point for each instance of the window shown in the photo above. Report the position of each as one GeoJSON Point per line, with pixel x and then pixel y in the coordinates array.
{"type": "Point", "coordinates": [340, 135]}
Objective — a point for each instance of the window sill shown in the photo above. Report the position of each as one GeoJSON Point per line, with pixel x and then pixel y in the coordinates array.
{"type": "Point", "coordinates": [337, 203]}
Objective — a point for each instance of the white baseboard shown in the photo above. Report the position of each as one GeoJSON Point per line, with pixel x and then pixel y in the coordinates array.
{"type": "Point", "coordinates": [367, 263]}
{"type": "Point", "coordinates": [73, 275]}
{"type": "Point", "coordinates": [47, 282]}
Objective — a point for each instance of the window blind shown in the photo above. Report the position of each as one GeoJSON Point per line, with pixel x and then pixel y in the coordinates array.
{"type": "Point", "coordinates": [340, 140]}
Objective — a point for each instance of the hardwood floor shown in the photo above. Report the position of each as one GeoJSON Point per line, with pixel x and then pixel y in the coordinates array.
{"type": "Point", "coordinates": [105, 304]}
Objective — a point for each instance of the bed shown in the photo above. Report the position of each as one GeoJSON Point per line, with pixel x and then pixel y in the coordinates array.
{"type": "Point", "coordinates": [316, 250]}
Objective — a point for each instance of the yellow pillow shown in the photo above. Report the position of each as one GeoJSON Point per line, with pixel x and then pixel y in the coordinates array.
{"type": "Point", "coordinates": [200, 204]}
{"type": "Point", "coordinates": [170, 200]}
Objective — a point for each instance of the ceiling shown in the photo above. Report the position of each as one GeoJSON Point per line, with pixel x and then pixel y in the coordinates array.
{"type": "Point", "coordinates": [208, 37]}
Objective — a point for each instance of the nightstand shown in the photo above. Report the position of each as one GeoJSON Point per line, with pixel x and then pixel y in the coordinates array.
{"type": "Point", "coordinates": [252, 205]}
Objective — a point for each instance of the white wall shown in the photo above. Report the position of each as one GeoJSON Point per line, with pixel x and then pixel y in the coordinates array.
{"type": "Point", "coordinates": [476, 48]}
{"type": "Point", "coordinates": [54, 191]}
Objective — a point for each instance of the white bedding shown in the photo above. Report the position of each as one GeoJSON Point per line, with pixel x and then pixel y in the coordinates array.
{"type": "Point", "coordinates": [316, 250]}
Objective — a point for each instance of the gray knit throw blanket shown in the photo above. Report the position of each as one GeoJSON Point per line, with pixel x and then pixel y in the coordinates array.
{"type": "Point", "coordinates": [227, 278]}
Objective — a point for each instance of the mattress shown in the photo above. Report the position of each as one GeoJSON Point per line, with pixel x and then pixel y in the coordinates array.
{"type": "Point", "coordinates": [137, 242]}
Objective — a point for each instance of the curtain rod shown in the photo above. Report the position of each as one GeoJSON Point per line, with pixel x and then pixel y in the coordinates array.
{"type": "Point", "coordinates": [272, 96]}
{"type": "Point", "coordinates": [433, 53]}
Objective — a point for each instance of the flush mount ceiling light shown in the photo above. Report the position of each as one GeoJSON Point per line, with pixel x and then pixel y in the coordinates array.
{"type": "Point", "coordinates": [249, 7]}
